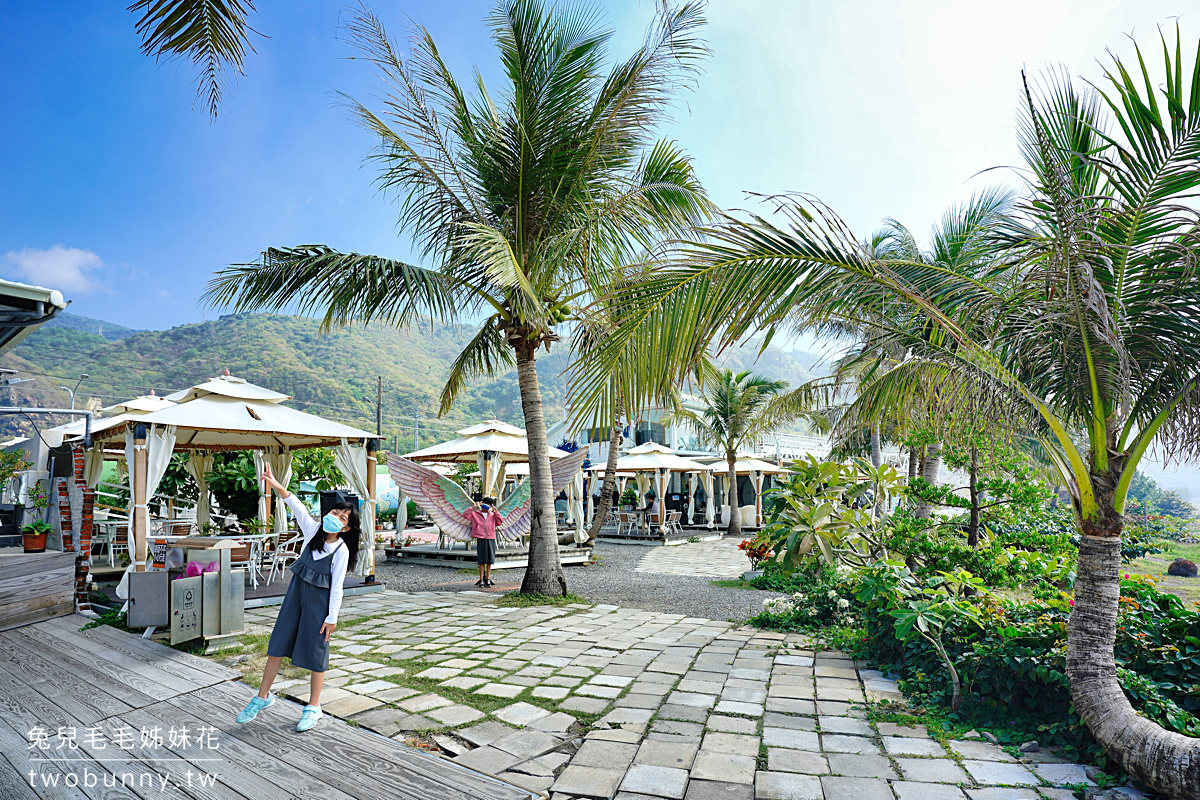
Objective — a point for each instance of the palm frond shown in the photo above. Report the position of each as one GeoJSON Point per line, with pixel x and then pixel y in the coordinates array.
{"type": "Point", "coordinates": [487, 354]}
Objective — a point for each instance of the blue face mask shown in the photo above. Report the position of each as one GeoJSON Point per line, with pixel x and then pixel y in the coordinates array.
{"type": "Point", "coordinates": [331, 524]}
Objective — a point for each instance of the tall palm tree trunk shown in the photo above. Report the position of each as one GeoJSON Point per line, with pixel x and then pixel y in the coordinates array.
{"type": "Point", "coordinates": [544, 573]}
{"type": "Point", "coordinates": [876, 447]}
{"type": "Point", "coordinates": [973, 525]}
{"type": "Point", "coordinates": [929, 471]}
{"type": "Point", "coordinates": [735, 512]}
{"type": "Point", "coordinates": [1164, 760]}
{"type": "Point", "coordinates": [610, 475]}
{"type": "Point", "coordinates": [914, 461]}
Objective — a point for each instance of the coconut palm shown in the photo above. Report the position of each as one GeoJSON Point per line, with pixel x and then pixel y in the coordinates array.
{"type": "Point", "coordinates": [521, 200]}
{"type": "Point", "coordinates": [1087, 322]}
{"type": "Point", "coordinates": [735, 409]}
{"type": "Point", "coordinates": [213, 34]}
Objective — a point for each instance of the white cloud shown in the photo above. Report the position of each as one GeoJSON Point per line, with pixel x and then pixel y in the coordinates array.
{"type": "Point", "coordinates": [58, 267]}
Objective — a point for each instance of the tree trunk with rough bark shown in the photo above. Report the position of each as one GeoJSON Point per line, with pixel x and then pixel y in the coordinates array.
{"type": "Point", "coordinates": [914, 461]}
{"type": "Point", "coordinates": [1167, 762]}
{"type": "Point", "coordinates": [610, 476]}
{"type": "Point", "coordinates": [876, 448]}
{"type": "Point", "coordinates": [929, 471]}
{"type": "Point", "coordinates": [973, 525]}
{"type": "Point", "coordinates": [735, 512]}
{"type": "Point", "coordinates": [544, 573]}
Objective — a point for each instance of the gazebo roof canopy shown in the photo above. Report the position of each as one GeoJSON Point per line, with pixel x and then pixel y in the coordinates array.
{"type": "Point", "coordinates": [491, 436]}
{"type": "Point", "coordinates": [745, 465]}
{"type": "Point", "coordinates": [228, 413]}
{"type": "Point", "coordinates": [144, 404]}
{"type": "Point", "coordinates": [653, 457]}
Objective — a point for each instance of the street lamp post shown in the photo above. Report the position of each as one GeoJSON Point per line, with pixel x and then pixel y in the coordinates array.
{"type": "Point", "coordinates": [72, 391]}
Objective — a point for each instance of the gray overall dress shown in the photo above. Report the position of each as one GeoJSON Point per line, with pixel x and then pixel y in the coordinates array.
{"type": "Point", "coordinates": [297, 634]}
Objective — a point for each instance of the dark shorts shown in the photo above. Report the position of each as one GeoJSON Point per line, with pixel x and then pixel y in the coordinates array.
{"type": "Point", "coordinates": [485, 551]}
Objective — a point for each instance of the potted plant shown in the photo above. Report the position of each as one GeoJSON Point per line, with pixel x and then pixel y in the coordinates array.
{"type": "Point", "coordinates": [33, 536]}
{"type": "Point", "coordinates": [629, 499]}
{"type": "Point", "coordinates": [758, 552]}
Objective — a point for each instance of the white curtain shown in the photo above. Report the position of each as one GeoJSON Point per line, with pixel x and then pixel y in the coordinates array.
{"type": "Point", "coordinates": [576, 504]}
{"type": "Point", "coordinates": [591, 487]}
{"type": "Point", "coordinates": [199, 464]}
{"type": "Point", "coordinates": [401, 515]}
{"type": "Point", "coordinates": [691, 504]}
{"type": "Point", "coordinates": [620, 490]}
{"type": "Point", "coordinates": [488, 477]}
{"type": "Point", "coordinates": [159, 446]}
{"type": "Point", "coordinates": [758, 484]}
{"type": "Point", "coordinates": [643, 487]}
{"type": "Point", "coordinates": [93, 465]}
{"type": "Point", "coordinates": [498, 489]}
{"type": "Point", "coordinates": [570, 492]}
{"type": "Point", "coordinates": [660, 493]}
{"type": "Point", "coordinates": [706, 479]}
{"type": "Point", "coordinates": [280, 459]}
{"type": "Point", "coordinates": [351, 459]}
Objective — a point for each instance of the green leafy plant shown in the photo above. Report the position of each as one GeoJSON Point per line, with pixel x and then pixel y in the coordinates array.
{"type": "Point", "coordinates": [36, 527]}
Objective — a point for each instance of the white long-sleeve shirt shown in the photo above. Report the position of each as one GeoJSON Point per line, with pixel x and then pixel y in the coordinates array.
{"type": "Point", "coordinates": [340, 555]}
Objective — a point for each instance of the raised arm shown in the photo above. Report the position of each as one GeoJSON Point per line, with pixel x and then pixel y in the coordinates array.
{"type": "Point", "coordinates": [304, 521]}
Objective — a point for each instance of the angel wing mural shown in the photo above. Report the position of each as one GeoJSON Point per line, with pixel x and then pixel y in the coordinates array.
{"type": "Point", "coordinates": [446, 502]}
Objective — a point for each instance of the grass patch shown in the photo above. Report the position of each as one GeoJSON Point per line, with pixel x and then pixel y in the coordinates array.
{"type": "Point", "coordinates": [526, 599]}
{"type": "Point", "coordinates": [1186, 589]}
{"type": "Point", "coordinates": [735, 583]}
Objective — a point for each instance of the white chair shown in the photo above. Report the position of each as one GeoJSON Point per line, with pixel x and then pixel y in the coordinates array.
{"type": "Point", "coordinates": [671, 525]}
{"type": "Point", "coordinates": [285, 553]}
{"type": "Point", "coordinates": [241, 556]}
{"type": "Point", "coordinates": [749, 516]}
{"type": "Point", "coordinates": [724, 517]}
{"type": "Point", "coordinates": [627, 522]}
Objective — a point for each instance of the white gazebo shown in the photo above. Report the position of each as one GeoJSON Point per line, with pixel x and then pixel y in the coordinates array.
{"type": "Point", "coordinates": [757, 469]}
{"type": "Point", "coordinates": [491, 445]}
{"type": "Point", "coordinates": [655, 460]}
{"type": "Point", "coordinates": [223, 414]}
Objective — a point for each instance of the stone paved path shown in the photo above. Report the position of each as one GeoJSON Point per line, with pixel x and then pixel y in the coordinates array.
{"type": "Point", "coordinates": [607, 702]}
{"type": "Point", "coordinates": [719, 559]}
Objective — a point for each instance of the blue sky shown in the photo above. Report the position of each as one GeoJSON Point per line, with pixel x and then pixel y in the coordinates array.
{"type": "Point", "coordinates": [115, 189]}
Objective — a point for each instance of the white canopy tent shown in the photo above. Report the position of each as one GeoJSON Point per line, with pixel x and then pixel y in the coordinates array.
{"type": "Point", "coordinates": [659, 461]}
{"type": "Point", "coordinates": [756, 468]}
{"type": "Point", "coordinates": [227, 413]}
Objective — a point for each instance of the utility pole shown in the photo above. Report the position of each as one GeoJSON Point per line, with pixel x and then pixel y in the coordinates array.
{"type": "Point", "coordinates": [416, 429]}
{"type": "Point", "coordinates": [379, 405]}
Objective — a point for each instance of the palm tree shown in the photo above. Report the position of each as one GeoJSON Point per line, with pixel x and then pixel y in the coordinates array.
{"type": "Point", "coordinates": [736, 409]}
{"type": "Point", "coordinates": [213, 34]}
{"type": "Point", "coordinates": [522, 199]}
{"type": "Point", "coordinates": [1087, 321]}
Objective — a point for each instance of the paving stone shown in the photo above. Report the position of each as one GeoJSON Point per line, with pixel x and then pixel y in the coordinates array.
{"type": "Point", "coordinates": [628, 716]}
{"type": "Point", "coordinates": [703, 687]}
{"type": "Point", "coordinates": [685, 713]}
{"type": "Point", "coordinates": [551, 692]}
{"type": "Point", "coordinates": [463, 682]}
{"type": "Point", "coordinates": [615, 735]}
{"type": "Point", "coordinates": [1063, 774]}
{"type": "Point", "coordinates": [776, 720]}
{"type": "Point", "coordinates": [979, 751]}
{"type": "Point", "coordinates": [607, 692]}
{"type": "Point", "coordinates": [750, 674]}
{"type": "Point", "coordinates": [534, 783]}
{"type": "Point", "coordinates": [527, 744]}
{"type": "Point", "coordinates": [854, 765]}
{"type": "Point", "coordinates": [1000, 793]}
{"type": "Point", "coordinates": [1059, 794]}
{"type": "Point", "coordinates": [485, 732]}
{"type": "Point", "coordinates": [579, 781]}
{"type": "Point", "coordinates": [718, 790]}
{"type": "Point", "coordinates": [455, 715]}
{"type": "Point", "coordinates": [905, 746]}
{"type": "Point", "coordinates": [639, 701]}
{"type": "Point", "coordinates": [488, 759]}
{"type": "Point", "coordinates": [907, 790]}
{"type": "Point", "coordinates": [670, 726]}
{"type": "Point", "coordinates": [558, 722]}
{"type": "Point", "coordinates": [439, 673]}
{"type": "Point", "coordinates": [584, 705]}
{"type": "Point", "coordinates": [424, 702]}
{"type": "Point", "coordinates": [508, 690]}
{"type": "Point", "coordinates": [599, 753]}
{"type": "Point", "coordinates": [734, 707]}
{"type": "Point", "coordinates": [710, 766]}
{"type": "Point", "coordinates": [394, 694]}
{"type": "Point", "coordinates": [717, 722]}
{"type": "Point", "coordinates": [656, 781]}
{"type": "Point", "coordinates": [788, 737]}
{"type": "Point", "coordinates": [846, 725]}
{"type": "Point", "coordinates": [732, 743]}
{"type": "Point", "coordinates": [784, 760]}
{"type": "Point", "coordinates": [932, 770]}
{"type": "Point", "coordinates": [831, 708]}
{"type": "Point", "coordinates": [892, 729]}
{"type": "Point", "coordinates": [607, 679]}
{"type": "Point", "coordinates": [348, 706]}
{"type": "Point", "coordinates": [520, 714]}
{"type": "Point", "coordinates": [677, 754]}
{"type": "Point", "coordinates": [996, 772]}
{"type": "Point", "coordinates": [789, 706]}
{"type": "Point", "coordinates": [370, 687]}
{"type": "Point", "coordinates": [692, 699]}
{"type": "Point", "coordinates": [418, 722]}
{"type": "Point", "coordinates": [786, 786]}
{"type": "Point", "coordinates": [800, 692]}
{"type": "Point", "coordinates": [836, 788]}
{"type": "Point", "coordinates": [834, 743]}
{"type": "Point", "coordinates": [756, 696]}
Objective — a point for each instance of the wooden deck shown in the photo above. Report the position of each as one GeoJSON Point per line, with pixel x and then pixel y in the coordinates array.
{"type": "Point", "coordinates": [117, 693]}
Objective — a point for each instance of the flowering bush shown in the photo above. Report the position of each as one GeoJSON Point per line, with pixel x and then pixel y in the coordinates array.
{"type": "Point", "coordinates": [818, 596]}
{"type": "Point", "coordinates": [757, 551]}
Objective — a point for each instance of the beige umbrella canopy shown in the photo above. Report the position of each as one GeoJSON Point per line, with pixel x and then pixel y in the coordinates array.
{"type": "Point", "coordinates": [745, 465]}
{"type": "Point", "coordinates": [659, 461]}
{"type": "Point", "coordinates": [492, 445]}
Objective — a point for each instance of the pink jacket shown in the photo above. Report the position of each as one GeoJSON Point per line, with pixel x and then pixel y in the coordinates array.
{"type": "Point", "coordinates": [483, 525]}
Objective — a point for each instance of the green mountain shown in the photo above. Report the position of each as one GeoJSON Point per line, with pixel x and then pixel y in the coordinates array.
{"type": "Point", "coordinates": [333, 374]}
{"type": "Point", "coordinates": [110, 331]}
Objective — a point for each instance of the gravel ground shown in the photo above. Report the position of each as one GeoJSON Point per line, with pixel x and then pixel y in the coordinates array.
{"type": "Point", "coordinates": [612, 580]}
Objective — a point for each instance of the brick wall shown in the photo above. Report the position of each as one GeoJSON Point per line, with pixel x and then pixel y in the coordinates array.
{"type": "Point", "coordinates": [83, 556]}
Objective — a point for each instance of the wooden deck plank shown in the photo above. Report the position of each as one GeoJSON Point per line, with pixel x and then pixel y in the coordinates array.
{"type": "Point", "coordinates": [74, 672]}
{"type": "Point", "coordinates": [13, 755]}
{"type": "Point", "coordinates": [35, 674]}
{"type": "Point", "coordinates": [12, 783]}
{"type": "Point", "coordinates": [106, 659]}
{"type": "Point", "coordinates": [124, 682]}
{"type": "Point", "coordinates": [182, 665]}
{"type": "Point", "coordinates": [251, 771]}
{"type": "Point", "coordinates": [381, 765]}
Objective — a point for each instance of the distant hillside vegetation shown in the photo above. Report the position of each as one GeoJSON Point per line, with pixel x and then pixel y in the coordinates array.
{"type": "Point", "coordinates": [109, 330]}
{"type": "Point", "coordinates": [332, 375]}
